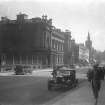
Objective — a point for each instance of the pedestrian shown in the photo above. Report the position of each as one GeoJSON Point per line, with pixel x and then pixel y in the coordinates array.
{"type": "Point", "coordinates": [101, 71]}
{"type": "Point", "coordinates": [95, 77]}
{"type": "Point", "coordinates": [90, 75]}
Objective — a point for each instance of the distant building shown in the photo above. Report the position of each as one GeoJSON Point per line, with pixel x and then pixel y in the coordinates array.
{"type": "Point", "coordinates": [67, 47]}
{"type": "Point", "coordinates": [71, 50]}
{"type": "Point", "coordinates": [83, 53]}
{"type": "Point", "coordinates": [88, 45]}
{"type": "Point", "coordinates": [74, 52]}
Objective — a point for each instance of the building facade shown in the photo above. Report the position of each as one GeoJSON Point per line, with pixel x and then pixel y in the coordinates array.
{"type": "Point", "coordinates": [35, 41]}
{"type": "Point", "coordinates": [88, 45]}
{"type": "Point", "coordinates": [83, 54]}
{"type": "Point", "coordinates": [74, 52]}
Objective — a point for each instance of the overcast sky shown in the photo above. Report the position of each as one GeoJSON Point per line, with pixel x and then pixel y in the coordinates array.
{"type": "Point", "coordinates": [78, 16]}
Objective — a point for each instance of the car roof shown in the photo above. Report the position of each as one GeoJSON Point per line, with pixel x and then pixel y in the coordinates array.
{"type": "Point", "coordinates": [65, 68]}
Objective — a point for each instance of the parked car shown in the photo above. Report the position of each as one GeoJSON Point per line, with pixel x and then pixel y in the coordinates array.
{"type": "Point", "coordinates": [19, 70]}
{"type": "Point", "coordinates": [28, 69]}
{"type": "Point", "coordinates": [23, 69]}
{"type": "Point", "coordinates": [62, 77]}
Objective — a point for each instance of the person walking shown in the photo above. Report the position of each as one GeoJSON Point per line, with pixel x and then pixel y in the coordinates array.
{"type": "Point", "coordinates": [95, 77]}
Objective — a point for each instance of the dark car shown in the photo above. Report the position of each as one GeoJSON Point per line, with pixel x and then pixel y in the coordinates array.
{"type": "Point", "coordinates": [23, 69]}
{"type": "Point", "coordinates": [19, 70]}
{"type": "Point", "coordinates": [62, 77]}
{"type": "Point", "coordinates": [28, 69]}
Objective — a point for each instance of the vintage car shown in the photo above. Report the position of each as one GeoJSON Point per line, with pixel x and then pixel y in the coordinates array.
{"type": "Point", "coordinates": [62, 78]}
{"type": "Point", "coordinates": [28, 69]}
{"type": "Point", "coordinates": [22, 70]}
{"type": "Point", "coordinates": [19, 70]}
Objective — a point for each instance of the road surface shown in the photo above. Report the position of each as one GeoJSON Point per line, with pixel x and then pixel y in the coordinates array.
{"type": "Point", "coordinates": [29, 89]}
{"type": "Point", "coordinates": [25, 90]}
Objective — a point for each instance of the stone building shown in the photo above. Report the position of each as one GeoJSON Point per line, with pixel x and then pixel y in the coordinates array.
{"type": "Point", "coordinates": [34, 41]}
{"type": "Point", "coordinates": [88, 44]}
{"type": "Point", "coordinates": [83, 55]}
{"type": "Point", "coordinates": [74, 52]}
{"type": "Point", "coordinates": [71, 50]}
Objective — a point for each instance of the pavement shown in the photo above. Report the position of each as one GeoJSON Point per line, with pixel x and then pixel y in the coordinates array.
{"type": "Point", "coordinates": [6, 73]}
{"type": "Point", "coordinates": [82, 96]}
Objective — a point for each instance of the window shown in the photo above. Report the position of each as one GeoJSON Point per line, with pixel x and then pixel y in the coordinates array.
{"type": "Point", "coordinates": [23, 59]}
{"type": "Point", "coordinates": [34, 59]}
{"type": "Point", "coordinates": [44, 39]}
{"type": "Point", "coordinates": [54, 44]}
{"type": "Point", "coordinates": [16, 59]}
{"type": "Point", "coordinates": [9, 60]}
{"type": "Point", "coordinates": [62, 47]}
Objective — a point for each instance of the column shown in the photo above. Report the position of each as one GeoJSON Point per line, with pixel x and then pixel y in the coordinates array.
{"type": "Point", "coordinates": [20, 59]}
{"type": "Point", "coordinates": [13, 60]}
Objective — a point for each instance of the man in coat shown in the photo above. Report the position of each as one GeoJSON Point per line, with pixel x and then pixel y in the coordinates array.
{"type": "Point", "coordinates": [95, 76]}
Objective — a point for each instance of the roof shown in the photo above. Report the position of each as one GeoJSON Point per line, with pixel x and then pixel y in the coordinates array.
{"type": "Point", "coordinates": [64, 68]}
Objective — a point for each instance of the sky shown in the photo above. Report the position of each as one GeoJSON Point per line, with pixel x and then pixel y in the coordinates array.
{"type": "Point", "coordinates": [78, 16]}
